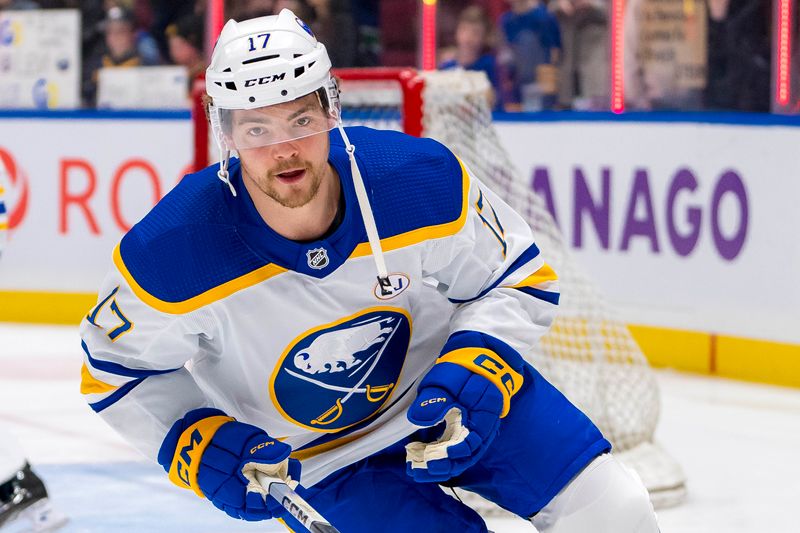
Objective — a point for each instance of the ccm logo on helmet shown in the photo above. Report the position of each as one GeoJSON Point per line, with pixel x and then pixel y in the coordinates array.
{"type": "Point", "coordinates": [265, 80]}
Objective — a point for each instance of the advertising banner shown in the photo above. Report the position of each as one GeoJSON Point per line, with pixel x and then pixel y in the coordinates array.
{"type": "Point", "coordinates": [74, 192]}
{"type": "Point", "coordinates": [682, 225]}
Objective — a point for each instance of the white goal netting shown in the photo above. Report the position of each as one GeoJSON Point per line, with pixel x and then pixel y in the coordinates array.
{"type": "Point", "coordinates": [589, 355]}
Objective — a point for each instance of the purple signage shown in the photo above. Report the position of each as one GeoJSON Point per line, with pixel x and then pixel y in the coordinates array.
{"type": "Point", "coordinates": [591, 203]}
{"type": "Point", "coordinates": [644, 226]}
{"type": "Point", "coordinates": [683, 244]}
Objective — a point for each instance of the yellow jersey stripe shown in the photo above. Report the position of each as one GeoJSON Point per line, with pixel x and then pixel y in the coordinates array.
{"type": "Point", "coordinates": [92, 385]}
{"type": "Point", "coordinates": [541, 276]}
{"type": "Point", "coordinates": [313, 451]}
{"type": "Point", "coordinates": [423, 234]}
{"type": "Point", "coordinates": [196, 302]}
{"type": "Point", "coordinates": [270, 270]}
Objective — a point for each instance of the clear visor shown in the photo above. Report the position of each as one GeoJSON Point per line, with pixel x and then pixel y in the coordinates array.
{"type": "Point", "coordinates": [246, 129]}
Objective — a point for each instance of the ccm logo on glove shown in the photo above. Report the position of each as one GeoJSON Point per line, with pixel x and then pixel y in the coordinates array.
{"type": "Point", "coordinates": [191, 443]}
{"type": "Point", "coordinates": [470, 389]}
{"type": "Point", "coordinates": [254, 449]}
{"type": "Point", "coordinates": [432, 400]}
{"type": "Point", "coordinates": [218, 457]}
{"type": "Point", "coordinates": [185, 457]}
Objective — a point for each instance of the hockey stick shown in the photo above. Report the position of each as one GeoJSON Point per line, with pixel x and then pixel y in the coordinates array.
{"type": "Point", "coordinates": [300, 509]}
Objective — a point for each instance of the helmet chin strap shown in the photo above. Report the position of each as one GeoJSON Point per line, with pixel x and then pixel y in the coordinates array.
{"type": "Point", "coordinates": [363, 205]}
{"type": "Point", "coordinates": [222, 173]}
{"type": "Point", "coordinates": [366, 214]}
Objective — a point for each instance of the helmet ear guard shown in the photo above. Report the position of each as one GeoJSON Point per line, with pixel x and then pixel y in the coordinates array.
{"type": "Point", "coordinates": [333, 94]}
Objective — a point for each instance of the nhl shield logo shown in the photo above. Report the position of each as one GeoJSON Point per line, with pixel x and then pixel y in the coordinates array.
{"type": "Point", "coordinates": [317, 258]}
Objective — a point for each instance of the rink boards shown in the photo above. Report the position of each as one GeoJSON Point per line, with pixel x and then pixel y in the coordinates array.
{"type": "Point", "coordinates": [687, 227]}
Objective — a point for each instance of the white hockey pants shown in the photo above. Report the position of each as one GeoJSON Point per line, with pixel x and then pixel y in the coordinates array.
{"type": "Point", "coordinates": [606, 497]}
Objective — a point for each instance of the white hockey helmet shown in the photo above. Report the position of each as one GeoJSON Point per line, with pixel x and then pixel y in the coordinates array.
{"type": "Point", "coordinates": [263, 62]}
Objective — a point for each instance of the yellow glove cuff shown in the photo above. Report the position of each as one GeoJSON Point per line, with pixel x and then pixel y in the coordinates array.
{"type": "Point", "coordinates": [488, 364]}
{"type": "Point", "coordinates": [191, 445]}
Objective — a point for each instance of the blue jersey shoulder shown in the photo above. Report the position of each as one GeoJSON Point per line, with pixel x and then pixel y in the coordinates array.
{"type": "Point", "coordinates": [187, 244]}
{"type": "Point", "coordinates": [191, 242]}
{"type": "Point", "coordinates": [413, 182]}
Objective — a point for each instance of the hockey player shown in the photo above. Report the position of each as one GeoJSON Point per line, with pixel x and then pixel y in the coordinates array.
{"type": "Point", "coordinates": [241, 328]}
{"type": "Point", "coordinates": [23, 495]}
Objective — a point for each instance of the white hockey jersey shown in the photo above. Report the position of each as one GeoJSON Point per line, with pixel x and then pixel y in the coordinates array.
{"type": "Point", "coordinates": [206, 306]}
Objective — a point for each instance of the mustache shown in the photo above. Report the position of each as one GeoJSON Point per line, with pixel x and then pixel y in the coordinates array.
{"type": "Point", "coordinates": [289, 165]}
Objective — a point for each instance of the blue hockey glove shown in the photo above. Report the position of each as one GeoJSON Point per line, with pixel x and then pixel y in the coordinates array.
{"type": "Point", "coordinates": [217, 457]}
{"type": "Point", "coordinates": [470, 390]}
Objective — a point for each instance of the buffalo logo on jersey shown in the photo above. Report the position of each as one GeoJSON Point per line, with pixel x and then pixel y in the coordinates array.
{"type": "Point", "coordinates": [317, 258]}
{"type": "Point", "coordinates": [343, 373]}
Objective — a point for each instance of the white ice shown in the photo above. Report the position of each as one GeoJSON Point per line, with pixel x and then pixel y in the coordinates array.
{"type": "Point", "coordinates": [739, 444]}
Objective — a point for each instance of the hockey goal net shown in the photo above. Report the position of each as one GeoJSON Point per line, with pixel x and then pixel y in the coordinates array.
{"type": "Point", "coordinates": [588, 354]}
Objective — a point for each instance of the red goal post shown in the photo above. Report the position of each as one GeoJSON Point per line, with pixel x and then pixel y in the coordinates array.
{"type": "Point", "coordinates": [407, 80]}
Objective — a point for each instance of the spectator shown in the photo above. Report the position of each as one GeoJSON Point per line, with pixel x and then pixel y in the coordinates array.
{"type": "Point", "coordinates": [532, 45]}
{"type": "Point", "coordinates": [583, 79]}
{"type": "Point", "coordinates": [125, 45]}
{"type": "Point", "coordinates": [166, 12]}
{"type": "Point", "coordinates": [333, 23]}
{"type": "Point", "coordinates": [473, 49]}
{"type": "Point", "coordinates": [92, 22]}
{"type": "Point", "coordinates": [146, 44]}
{"type": "Point", "coordinates": [185, 42]}
{"type": "Point", "coordinates": [120, 50]}
{"type": "Point", "coordinates": [739, 55]}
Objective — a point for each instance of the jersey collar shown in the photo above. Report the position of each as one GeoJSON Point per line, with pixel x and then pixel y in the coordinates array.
{"type": "Point", "coordinates": [327, 254]}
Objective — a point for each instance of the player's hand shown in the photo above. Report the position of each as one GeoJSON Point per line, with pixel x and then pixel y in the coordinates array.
{"type": "Point", "coordinates": [218, 457]}
{"type": "Point", "coordinates": [226, 475]}
{"type": "Point", "coordinates": [470, 406]}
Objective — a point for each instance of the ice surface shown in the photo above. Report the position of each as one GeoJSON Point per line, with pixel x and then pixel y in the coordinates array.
{"type": "Point", "coordinates": [739, 444]}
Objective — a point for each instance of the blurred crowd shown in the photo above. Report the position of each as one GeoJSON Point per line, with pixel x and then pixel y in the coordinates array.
{"type": "Point", "coordinates": [679, 54]}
